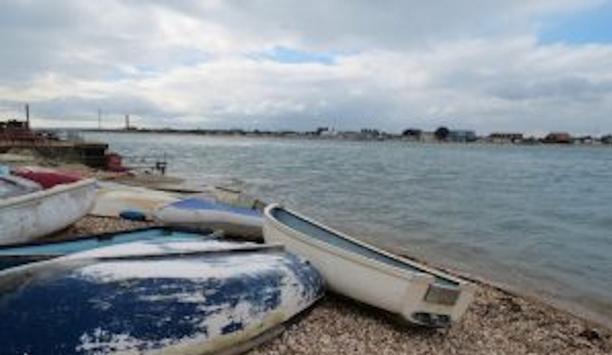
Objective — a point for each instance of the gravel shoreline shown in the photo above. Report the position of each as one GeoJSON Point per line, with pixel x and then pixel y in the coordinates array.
{"type": "Point", "coordinates": [497, 322]}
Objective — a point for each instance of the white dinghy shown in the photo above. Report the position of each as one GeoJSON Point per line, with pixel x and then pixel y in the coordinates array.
{"type": "Point", "coordinates": [362, 272]}
{"type": "Point", "coordinates": [33, 214]}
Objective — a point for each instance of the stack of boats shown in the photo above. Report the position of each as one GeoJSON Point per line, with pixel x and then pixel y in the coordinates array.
{"type": "Point", "coordinates": [185, 287]}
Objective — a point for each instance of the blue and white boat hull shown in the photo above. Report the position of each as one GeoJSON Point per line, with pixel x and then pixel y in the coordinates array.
{"type": "Point", "coordinates": [187, 297]}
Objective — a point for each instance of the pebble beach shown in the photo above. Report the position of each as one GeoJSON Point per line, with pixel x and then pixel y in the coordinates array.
{"type": "Point", "coordinates": [497, 322]}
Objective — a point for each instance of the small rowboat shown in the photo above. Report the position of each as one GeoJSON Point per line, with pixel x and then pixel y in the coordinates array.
{"type": "Point", "coordinates": [360, 271]}
{"type": "Point", "coordinates": [156, 296]}
{"type": "Point", "coordinates": [34, 214]}
{"type": "Point", "coordinates": [208, 213]}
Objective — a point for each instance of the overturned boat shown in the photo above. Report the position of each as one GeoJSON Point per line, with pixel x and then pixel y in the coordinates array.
{"type": "Point", "coordinates": [114, 199]}
{"type": "Point", "coordinates": [157, 296]}
{"type": "Point", "coordinates": [203, 212]}
{"type": "Point", "coordinates": [28, 213]}
{"type": "Point", "coordinates": [24, 253]}
{"type": "Point", "coordinates": [367, 274]}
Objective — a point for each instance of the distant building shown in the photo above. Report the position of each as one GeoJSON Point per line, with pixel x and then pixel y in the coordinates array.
{"type": "Point", "coordinates": [462, 136]}
{"type": "Point", "coordinates": [501, 137]}
{"type": "Point", "coordinates": [584, 140]}
{"type": "Point", "coordinates": [14, 130]}
{"type": "Point", "coordinates": [427, 137]}
{"type": "Point", "coordinates": [606, 139]}
{"type": "Point", "coordinates": [558, 138]}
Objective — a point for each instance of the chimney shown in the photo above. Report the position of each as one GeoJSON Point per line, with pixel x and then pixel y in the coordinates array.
{"type": "Point", "coordinates": [27, 112]}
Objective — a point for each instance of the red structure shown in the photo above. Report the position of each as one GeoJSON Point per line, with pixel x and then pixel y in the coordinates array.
{"type": "Point", "coordinates": [558, 137]}
{"type": "Point", "coordinates": [17, 131]}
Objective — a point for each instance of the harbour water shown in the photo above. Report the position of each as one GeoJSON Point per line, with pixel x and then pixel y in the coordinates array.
{"type": "Point", "coordinates": [535, 218]}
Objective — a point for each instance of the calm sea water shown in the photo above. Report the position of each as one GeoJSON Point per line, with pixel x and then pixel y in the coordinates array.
{"type": "Point", "coordinates": [538, 219]}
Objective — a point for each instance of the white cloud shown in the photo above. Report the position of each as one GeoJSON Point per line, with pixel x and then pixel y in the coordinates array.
{"type": "Point", "coordinates": [475, 64]}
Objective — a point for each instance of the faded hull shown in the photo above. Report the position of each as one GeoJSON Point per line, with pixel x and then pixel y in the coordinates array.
{"type": "Point", "coordinates": [11, 256]}
{"type": "Point", "coordinates": [111, 200]}
{"type": "Point", "coordinates": [357, 270]}
{"type": "Point", "coordinates": [27, 217]}
{"type": "Point", "coordinates": [198, 212]}
{"type": "Point", "coordinates": [188, 304]}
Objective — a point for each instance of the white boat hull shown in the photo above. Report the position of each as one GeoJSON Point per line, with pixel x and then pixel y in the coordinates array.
{"type": "Point", "coordinates": [112, 199]}
{"type": "Point", "coordinates": [233, 221]}
{"type": "Point", "coordinates": [418, 297]}
{"type": "Point", "coordinates": [27, 217]}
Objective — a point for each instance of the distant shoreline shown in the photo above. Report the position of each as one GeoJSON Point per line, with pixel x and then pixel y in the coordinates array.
{"type": "Point", "coordinates": [353, 137]}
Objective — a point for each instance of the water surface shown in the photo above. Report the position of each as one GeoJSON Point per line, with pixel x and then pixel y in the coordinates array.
{"type": "Point", "coordinates": [537, 218]}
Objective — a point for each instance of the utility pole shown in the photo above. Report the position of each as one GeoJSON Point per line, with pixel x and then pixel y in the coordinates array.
{"type": "Point", "coordinates": [127, 122]}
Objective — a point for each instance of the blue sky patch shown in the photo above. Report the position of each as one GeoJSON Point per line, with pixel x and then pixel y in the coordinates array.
{"type": "Point", "coordinates": [294, 56]}
{"type": "Point", "coordinates": [590, 26]}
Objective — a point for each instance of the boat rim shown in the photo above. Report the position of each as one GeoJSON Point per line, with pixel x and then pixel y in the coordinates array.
{"type": "Point", "coordinates": [55, 190]}
{"type": "Point", "coordinates": [423, 272]}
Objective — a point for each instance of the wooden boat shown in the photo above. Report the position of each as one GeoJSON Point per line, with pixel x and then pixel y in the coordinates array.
{"type": "Point", "coordinates": [360, 271]}
{"type": "Point", "coordinates": [208, 213]}
{"type": "Point", "coordinates": [24, 253]}
{"type": "Point", "coordinates": [31, 215]}
{"type": "Point", "coordinates": [155, 296]}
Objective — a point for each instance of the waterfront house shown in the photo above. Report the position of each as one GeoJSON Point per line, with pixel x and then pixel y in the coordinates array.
{"type": "Point", "coordinates": [462, 136]}
{"type": "Point", "coordinates": [584, 140]}
{"type": "Point", "coordinates": [606, 139]}
{"type": "Point", "coordinates": [427, 137]}
{"type": "Point", "coordinates": [558, 138]}
{"type": "Point", "coordinates": [502, 137]}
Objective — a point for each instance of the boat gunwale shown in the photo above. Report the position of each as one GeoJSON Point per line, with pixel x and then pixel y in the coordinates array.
{"type": "Point", "coordinates": [423, 272]}
{"type": "Point", "coordinates": [55, 190]}
{"type": "Point", "coordinates": [106, 236]}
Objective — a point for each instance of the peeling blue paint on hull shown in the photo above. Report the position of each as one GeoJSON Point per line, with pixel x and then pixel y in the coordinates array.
{"type": "Point", "coordinates": [144, 304]}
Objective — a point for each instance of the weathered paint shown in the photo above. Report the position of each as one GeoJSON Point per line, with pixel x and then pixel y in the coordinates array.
{"type": "Point", "coordinates": [175, 303]}
{"type": "Point", "coordinates": [112, 199]}
{"type": "Point", "coordinates": [15, 255]}
{"type": "Point", "coordinates": [237, 221]}
{"type": "Point", "coordinates": [27, 217]}
{"type": "Point", "coordinates": [368, 274]}
{"type": "Point", "coordinates": [11, 186]}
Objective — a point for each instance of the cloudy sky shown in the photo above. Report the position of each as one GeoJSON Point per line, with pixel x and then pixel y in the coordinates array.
{"type": "Point", "coordinates": [527, 65]}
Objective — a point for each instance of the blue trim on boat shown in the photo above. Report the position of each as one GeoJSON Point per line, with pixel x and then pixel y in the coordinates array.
{"type": "Point", "coordinates": [325, 235]}
{"type": "Point", "coordinates": [204, 204]}
{"type": "Point", "coordinates": [15, 255]}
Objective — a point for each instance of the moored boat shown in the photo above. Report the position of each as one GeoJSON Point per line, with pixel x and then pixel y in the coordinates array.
{"type": "Point", "coordinates": [34, 214]}
{"type": "Point", "coordinates": [367, 274]}
{"type": "Point", "coordinates": [155, 296]}
{"type": "Point", "coordinates": [208, 213]}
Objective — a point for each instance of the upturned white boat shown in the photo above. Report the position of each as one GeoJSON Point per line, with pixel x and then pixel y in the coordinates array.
{"type": "Point", "coordinates": [367, 274]}
{"type": "Point", "coordinates": [113, 199]}
{"type": "Point", "coordinates": [208, 213]}
{"type": "Point", "coordinates": [28, 214]}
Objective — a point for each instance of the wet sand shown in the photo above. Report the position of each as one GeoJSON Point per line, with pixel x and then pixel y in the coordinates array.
{"type": "Point", "coordinates": [497, 322]}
